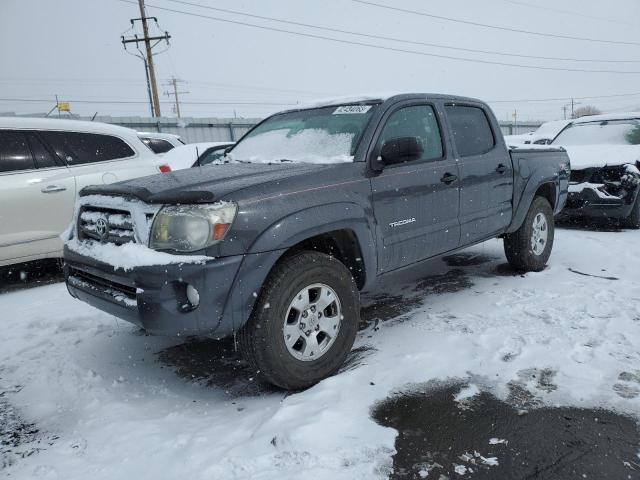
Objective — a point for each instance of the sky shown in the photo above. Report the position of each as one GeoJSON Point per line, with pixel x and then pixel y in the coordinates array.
{"type": "Point", "coordinates": [236, 64]}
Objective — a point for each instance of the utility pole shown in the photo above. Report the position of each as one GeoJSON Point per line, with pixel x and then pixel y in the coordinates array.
{"type": "Point", "coordinates": [147, 55]}
{"type": "Point", "coordinates": [572, 105]}
{"type": "Point", "coordinates": [152, 70]}
{"type": "Point", "coordinates": [174, 82]}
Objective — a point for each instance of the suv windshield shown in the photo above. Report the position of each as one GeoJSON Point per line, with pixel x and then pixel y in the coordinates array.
{"type": "Point", "coordinates": [318, 135]}
{"type": "Point", "coordinates": [616, 132]}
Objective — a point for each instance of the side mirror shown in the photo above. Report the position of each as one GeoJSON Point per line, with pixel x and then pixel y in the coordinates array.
{"type": "Point", "coordinates": [400, 150]}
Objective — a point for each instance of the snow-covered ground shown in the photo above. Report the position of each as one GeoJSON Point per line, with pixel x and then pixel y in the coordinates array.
{"type": "Point", "coordinates": [110, 402]}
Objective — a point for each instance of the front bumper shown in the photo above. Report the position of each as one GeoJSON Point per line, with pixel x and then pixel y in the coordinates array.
{"type": "Point", "coordinates": [154, 297]}
{"type": "Point", "coordinates": [588, 203]}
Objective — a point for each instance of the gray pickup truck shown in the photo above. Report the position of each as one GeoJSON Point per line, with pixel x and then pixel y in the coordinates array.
{"type": "Point", "coordinates": [274, 243]}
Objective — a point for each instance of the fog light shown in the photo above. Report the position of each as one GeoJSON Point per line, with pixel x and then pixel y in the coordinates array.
{"type": "Point", "coordinates": [193, 296]}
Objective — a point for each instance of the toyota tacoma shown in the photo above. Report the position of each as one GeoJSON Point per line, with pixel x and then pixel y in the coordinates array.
{"type": "Point", "coordinates": [273, 243]}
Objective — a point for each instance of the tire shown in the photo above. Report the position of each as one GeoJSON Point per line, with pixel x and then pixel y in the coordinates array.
{"type": "Point", "coordinates": [279, 312]}
{"type": "Point", "coordinates": [633, 220]}
{"type": "Point", "coordinates": [519, 245]}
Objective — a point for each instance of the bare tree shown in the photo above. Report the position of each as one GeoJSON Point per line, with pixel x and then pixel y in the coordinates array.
{"type": "Point", "coordinates": [586, 111]}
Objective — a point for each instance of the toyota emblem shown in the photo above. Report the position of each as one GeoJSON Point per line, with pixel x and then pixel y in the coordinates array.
{"type": "Point", "coordinates": [102, 229]}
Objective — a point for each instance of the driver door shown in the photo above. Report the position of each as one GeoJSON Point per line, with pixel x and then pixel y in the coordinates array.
{"type": "Point", "coordinates": [416, 203]}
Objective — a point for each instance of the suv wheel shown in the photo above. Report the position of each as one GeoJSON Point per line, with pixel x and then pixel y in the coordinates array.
{"type": "Point", "coordinates": [529, 247]}
{"type": "Point", "coordinates": [304, 322]}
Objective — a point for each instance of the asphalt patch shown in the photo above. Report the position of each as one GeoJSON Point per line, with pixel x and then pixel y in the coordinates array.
{"type": "Point", "coordinates": [485, 438]}
{"type": "Point", "coordinates": [18, 439]}
{"type": "Point", "coordinates": [467, 259]}
{"type": "Point", "coordinates": [217, 364]}
{"type": "Point", "coordinates": [30, 274]}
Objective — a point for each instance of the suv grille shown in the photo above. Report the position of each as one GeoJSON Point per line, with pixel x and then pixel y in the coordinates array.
{"type": "Point", "coordinates": [105, 225]}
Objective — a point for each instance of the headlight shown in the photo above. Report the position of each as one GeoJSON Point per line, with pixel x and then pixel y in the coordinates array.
{"type": "Point", "coordinates": [187, 228]}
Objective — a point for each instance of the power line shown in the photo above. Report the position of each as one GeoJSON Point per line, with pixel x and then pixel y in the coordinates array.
{"type": "Point", "coordinates": [393, 39]}
{"type": "Point", "coordinates": [387, 48]}
{"type": "Point", "coordinates": [570, 12]}
{"type": "Point", "coordinates": [126, 81]}
{"type": "Point", "coordinates": [133, 102]}
{"type": "Point", "coordinates": [206, 102]}
{"type": "Point", "coordinates": [565, 98]}
{"type": "Point", "coordinates": [494, 27]}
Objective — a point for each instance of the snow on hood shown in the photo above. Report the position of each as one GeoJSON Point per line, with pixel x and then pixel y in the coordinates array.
{"type": "Point", "coordinates": [587, 156]}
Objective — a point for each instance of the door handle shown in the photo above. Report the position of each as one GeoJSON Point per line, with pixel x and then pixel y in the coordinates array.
{"type": "Point", "coordinates": [501, 169]}
{"type": "Point", "coordinates": [448, 178]}
{"type": "Point", "coordinates": [53, 189]}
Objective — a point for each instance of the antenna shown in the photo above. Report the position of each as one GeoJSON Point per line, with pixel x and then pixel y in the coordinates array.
{"type": "Point", "coordinates": [198, 157]}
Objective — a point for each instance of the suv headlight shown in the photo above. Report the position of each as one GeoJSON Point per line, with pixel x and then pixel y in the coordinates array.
{"type": "Point", "coordinates": [188, 228]}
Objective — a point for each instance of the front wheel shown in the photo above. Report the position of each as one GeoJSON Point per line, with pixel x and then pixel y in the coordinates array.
{"type": "Point", "coordinates": [528, 248]}
{"type": "Point", "coordinates": [304, 322]}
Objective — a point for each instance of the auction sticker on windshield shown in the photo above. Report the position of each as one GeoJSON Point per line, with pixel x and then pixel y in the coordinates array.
{"type": "Point", "coordinates": [351, 109]}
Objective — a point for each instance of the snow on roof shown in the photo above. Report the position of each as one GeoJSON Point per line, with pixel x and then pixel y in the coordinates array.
{"type": "Point", "coordinates": [64, 124]}
{"type": "Point", "coordinates": [158, 135]}
{"type": "Point", "coordinates": [372, 97]}
{"type": "Point", "coordinates": [347, 99]}
{"type": "Point", "coordinates": [608, 116]}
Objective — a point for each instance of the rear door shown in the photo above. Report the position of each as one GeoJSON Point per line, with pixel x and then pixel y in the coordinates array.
{"type": "Point", "coordinates": [486, 173]}
{"type": "Point", "coordinates": [96, 159]}
{"type": "Point", "coordinates": [37, 196]}
{"type": "Point", "coordinates": [415, 203]}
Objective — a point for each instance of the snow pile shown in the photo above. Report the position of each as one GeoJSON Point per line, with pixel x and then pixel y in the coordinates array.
{"type": "Point", "coordinates": [497, 441]}
{"type": "Point", "coordinates": [309, 145]}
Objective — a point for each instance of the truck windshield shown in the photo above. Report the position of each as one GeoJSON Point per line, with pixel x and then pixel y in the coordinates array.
{"type": "Point", "coordinates": [318, 135]}
{"type": "Point", "coordinates": [614, 132]}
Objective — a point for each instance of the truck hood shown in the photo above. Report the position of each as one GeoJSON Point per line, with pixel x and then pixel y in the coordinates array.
{"type": "Point", "coordinates": [588, 156]}
{"type": "Point", "coordinates": [201, 184]}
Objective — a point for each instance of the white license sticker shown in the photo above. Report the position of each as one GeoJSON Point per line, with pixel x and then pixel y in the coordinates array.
{"type": "Point", "coordinates": [345, 109]}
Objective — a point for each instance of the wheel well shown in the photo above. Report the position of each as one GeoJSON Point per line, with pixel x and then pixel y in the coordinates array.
{"type": "Point", "coordinates": [341, 244]}
{"type": "Point", "coordinates": [548, 191]}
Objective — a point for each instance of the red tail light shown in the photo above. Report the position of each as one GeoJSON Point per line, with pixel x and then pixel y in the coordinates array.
{"type": "Point", "coordinates": [164, 168]}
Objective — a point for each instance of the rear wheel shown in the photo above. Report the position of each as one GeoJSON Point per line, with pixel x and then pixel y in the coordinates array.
{"type": "Point", "coordinates": [304, 323]}
{"type": "Point", "coordinates": [633, 220]}
{"type": "Point", "coordinates": [529, 247]}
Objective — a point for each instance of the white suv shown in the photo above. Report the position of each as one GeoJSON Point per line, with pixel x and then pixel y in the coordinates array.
{"type": "Point", "coordinates": [43, 165]}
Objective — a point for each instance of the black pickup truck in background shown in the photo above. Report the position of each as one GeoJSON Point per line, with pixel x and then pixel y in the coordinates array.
{"type": "Point", "coordinates": [310, 207]}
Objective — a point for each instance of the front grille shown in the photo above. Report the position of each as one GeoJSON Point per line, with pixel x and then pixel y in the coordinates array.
{"type": "Point", "coordinates": [106, 225]}
{"type": "Point", "coordinates": [101, 287]}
